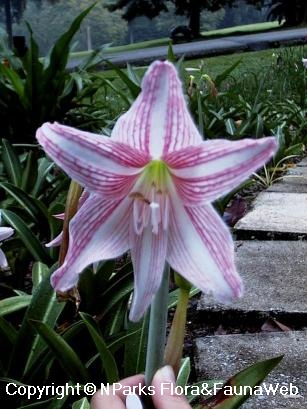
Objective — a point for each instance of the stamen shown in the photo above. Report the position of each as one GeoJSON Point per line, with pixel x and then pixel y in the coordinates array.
{"type": "Point", "coordinates": [138, 222]}
{"type": "Point", "coordinates": [155, 216]}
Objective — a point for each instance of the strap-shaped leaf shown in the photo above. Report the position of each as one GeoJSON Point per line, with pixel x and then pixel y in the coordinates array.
{"type": "Point", "coordinates": [12, 304]}
{"type": "Point", "coordinates": [29, 239]}
{"type": "Point", "coordinates": [28, 203]}
{"type": "Point", "coordinates": [65, 355]}
{"type": "Point", "coordinates": [60, 52]}
{"type": "Point", "coordinates": [39, 272]}
{"type": "Point", "coordinates": [251, 376]}
{"type": "Point", "coordinates": [45, 308]}
{"type": "Point", "coordinates": [107, 358]}
{"type": "Point", "coordinates": [184, 372]}
{"type": "Point", "coordinates": [11, 163]}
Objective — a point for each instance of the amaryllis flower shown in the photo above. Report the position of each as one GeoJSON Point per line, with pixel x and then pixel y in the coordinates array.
{"type": "Point", "coordinates": [150, 187]}
{"type": "Point", "coordinates": [5, 233]}
{"type": "Point", "coordinates": [304, 61]}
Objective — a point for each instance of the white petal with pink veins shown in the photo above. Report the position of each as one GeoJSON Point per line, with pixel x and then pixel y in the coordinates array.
{"type": "Point", "coordinates": [158, 121]}
{"type": "Point", "coordinates": [201, 250]}
{"type": "Point", "coordinates": [205, 172]}
{"type": "Point", "coordinates": [98, 231]}
{"type": "Point", "coordinates": [94, 161]}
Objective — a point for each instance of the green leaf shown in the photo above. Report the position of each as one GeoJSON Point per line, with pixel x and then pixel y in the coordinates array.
{"type": "Point", "coordinates": [220, 78]}
{"type": "Point", "coordinates": [39, 272]}
{"type": "Point", "coordinates": [30, 241]}
{"type": "Point", "coordinates": [60, 52]}
{"type": "Point", "coordinates": [81, 404]}
{"type": "Point", "coordinates": [26, 202]}
{"type": "Point", "coordinates": [134, 88]}
{"type": "Point", "coordinates": [231, 128]}
{"type": "Point", "coordinates": [29, 175]}
{"type": "Point", "coordinates": [107, 359]}
{"type": "Point", "coordinates": [135, 347]}
{"type": "Point", "coordinates": [15, 83]}
{"type": "Point", "coordinates": [259, 127]}
{"type": "Point", "coordinates": [12, 304]}
{"type": "Point", "coordinates": [43, 307]}
{"type": "Point", "coordinates": [8, 331]}
{"type": "Point", "coordinates": [170, 53]}
{"type": "Point", "coordinates": [65, 355]}
{"type": "Point", "coordinates": [184, 372]}
{"type": "Point", "coordinates": [173, 296]}
{"type": "Point", "coordinates": [11, 163]}
{"type": "Point", "coordinates": [251, 376]}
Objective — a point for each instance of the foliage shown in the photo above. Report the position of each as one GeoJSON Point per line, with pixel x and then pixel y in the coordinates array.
{"type": "Point", "coordinates": [36, 91]}
{"type": "Point", "coordinates": [293, 12]}
{"type": "Point", "coordinates": [100, 27]}
{"type": "Point", "coordinates": [190, 8]}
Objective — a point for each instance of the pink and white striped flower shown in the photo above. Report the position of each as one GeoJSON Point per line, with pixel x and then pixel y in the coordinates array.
{"type": "Point", "coordinates": [150, 187]}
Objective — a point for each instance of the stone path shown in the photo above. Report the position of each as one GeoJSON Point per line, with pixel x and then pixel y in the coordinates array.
{"type": "Point", "coordinates": [275, 277]}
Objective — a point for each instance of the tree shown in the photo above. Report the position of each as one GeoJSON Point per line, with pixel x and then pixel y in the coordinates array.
{"type": "Point", "coordinates": [151, 8]}
{"type": "Point", "coordinates": [13, 10]}
{"type": "Point", "coordinates": [294, 12]}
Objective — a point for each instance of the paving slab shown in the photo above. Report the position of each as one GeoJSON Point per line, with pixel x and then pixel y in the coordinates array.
{"type": "Point", "coordinates": [278, 212]}
{"type": "Point", "coordinates": [303, 162]}
{"type": "Point", "coordinates": [221, 356]}
{"type": "Point", "coordinates": [298, 170]}
{"type": "Point", "coordinates": [290, 184]}
{"type": "Point", "coordinates": [274, 274]}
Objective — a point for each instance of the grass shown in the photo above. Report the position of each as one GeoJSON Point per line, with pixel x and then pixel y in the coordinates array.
{"type": "Point", "coordinates": [237, 30]}
{"type": "Point", "coordinates": [251, 62]}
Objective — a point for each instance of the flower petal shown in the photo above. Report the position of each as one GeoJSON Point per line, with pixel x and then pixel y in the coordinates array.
{"type": "Point", "coordinates": [205, 172]}
{"type": "Point", "coordinates": [56, 241]}
{"type": "Point", "coordinates": [98, 231]}
{"type": "Point", "coordinates": [95, 161]}
{"type": "Point", "coordinates": [201, 249]}
{"type": "Point", "coordinates": [3, 260]}
{"type": "Point", "coordinates": [148, 253]}
{"type": "Point", "coordinates": [158, 121]}
{"type": "Point", "coordinates": [5, 233]}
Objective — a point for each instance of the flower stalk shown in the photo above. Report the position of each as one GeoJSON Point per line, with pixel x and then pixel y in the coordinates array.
{"type": "Point", "coordinates": [157, 329]}
{"type": "Point", "coordinates": [71, 207]}
{"type": "Point", "coordinates": [175, 342]}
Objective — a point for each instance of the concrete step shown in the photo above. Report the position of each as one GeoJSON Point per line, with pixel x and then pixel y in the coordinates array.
{"type": "Point", "coordinates": [277, 212]}
{"type": "Point", "coordinates": [274, 275]}
{"type": "Point", "coordinates": [222, 356]}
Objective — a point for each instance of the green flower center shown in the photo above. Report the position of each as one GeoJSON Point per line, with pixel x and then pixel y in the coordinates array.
{"type": "Point", "coordinates": [151, 199]}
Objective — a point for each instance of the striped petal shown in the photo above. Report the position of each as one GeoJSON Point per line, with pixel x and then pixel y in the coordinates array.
{"type": "Point", "coordinates": [97, 232]}
{"type": "Point", "coordinates": [148, 253]}
{"type": "Point", "coordinates": [158, 122]}
{"type": "Point", "coordinates": [201, 249]}
{"type": "Point", "coordinates": [95, 161]}
{"type": "Point", "coordinates": [205, 172]}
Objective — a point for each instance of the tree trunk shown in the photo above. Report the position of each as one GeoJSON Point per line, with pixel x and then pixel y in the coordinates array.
{"type": "Point", "coordinates": [8, 20]}
{"type": "Point", "coordinates": [194, 24]}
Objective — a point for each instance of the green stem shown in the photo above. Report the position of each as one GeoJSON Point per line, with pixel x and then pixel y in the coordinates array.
{"type": "Point", "coordinates": [157, 329]}
{"type": "Point", "coordinates": [174, 346]}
